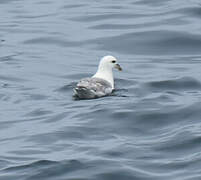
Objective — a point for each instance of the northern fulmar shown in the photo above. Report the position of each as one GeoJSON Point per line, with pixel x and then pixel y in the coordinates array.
{"type": "Point", "coordinates": [100, 84]}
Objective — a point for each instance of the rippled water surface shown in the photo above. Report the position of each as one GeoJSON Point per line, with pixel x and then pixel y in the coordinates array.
{"type": "Point", "coordinates": [150, 128]}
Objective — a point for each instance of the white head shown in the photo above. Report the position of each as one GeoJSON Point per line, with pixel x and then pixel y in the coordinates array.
{"type": "Point", "coordinates": [107, 63]}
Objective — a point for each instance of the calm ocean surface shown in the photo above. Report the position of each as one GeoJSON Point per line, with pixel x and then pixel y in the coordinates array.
{"type": "Point", "coordinates": [149, 129]}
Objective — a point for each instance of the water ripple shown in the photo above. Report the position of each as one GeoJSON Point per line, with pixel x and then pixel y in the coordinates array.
{"type": "Point", "coordinates": [148, 128]}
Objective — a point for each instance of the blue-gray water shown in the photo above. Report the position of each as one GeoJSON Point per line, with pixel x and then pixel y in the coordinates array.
{"type": "Point", "coordinates": [149, 129]}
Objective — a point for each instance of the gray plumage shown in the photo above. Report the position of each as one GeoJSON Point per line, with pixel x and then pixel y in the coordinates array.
{"type": "Point", "coordinates": [89, 88]}
{"type": "Point", "coordinates": [101, 83]}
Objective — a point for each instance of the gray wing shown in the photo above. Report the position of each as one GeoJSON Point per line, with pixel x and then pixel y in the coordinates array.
{"type": "Point", "coordinates": [92, 87]}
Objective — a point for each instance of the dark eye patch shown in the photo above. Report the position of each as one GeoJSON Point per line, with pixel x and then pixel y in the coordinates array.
{"type": "Point", "coordinates": [113, 61]}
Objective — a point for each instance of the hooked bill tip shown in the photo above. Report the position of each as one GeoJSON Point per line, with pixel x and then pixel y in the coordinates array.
{"type": "Point", "coordinates": [118, 67]}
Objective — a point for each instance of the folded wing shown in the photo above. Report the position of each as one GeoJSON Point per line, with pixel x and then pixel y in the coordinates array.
{"type": "Point", "coordinates": [92, 88]}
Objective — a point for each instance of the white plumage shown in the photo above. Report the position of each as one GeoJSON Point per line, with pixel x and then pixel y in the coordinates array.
{"type": "Point", "coordinates": [101, 83]}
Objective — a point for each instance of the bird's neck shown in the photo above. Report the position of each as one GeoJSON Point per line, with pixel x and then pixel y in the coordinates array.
{"type": "Point", "coordinates": [106, 74]}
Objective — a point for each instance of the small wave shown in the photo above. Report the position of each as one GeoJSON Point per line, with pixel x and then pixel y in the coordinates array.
{"type": "Point", "coordinates": [73, 6]}
{"type": "Point", "coordinates": [44, 169]}
{"type": "Point", "coordinates": [184, 83]}
{"type": "Point", "coordinates": [161, 42]}
{"type": "Point", "coordinates": [37, 113]}
{"type": "Point", "coordinates": [151, 3]}
{"type": "Point", "coordinates": [52, 41]}
{"type": "Point", "coordinates": [40, 163]}
{"type": "Point", "coordinates": [12, 79]}
{"type": "Point", "coordinates": [92, 18]}
{"type": "Point", "coordinates": [7, 1]}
